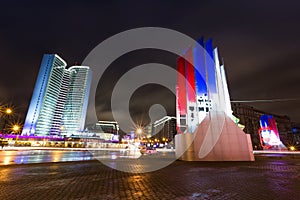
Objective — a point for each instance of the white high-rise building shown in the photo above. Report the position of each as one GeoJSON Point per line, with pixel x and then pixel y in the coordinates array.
{"type": "Point", "coordinates": [77, 100]}
{"type": "Point", "coordinates": [59, 101]}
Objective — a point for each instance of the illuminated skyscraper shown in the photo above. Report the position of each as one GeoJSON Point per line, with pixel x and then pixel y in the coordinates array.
{"type": "Point", "coordinates": [49, 71]}
{"type": "Point", "coordinates": [77, 99]}
{"type": "Point", "coordinates": [59, 101]}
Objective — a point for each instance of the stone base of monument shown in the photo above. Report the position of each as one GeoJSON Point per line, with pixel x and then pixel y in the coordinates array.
{"type": "Point", "coordinates": [217, 138]}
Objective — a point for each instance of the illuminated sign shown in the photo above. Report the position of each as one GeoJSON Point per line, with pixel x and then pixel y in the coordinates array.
{"type": "Point", "coordinates": [268, 133]}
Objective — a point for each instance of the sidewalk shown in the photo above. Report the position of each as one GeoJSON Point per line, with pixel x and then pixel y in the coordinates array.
{"type": "Point", "coordinates": [263, 179]}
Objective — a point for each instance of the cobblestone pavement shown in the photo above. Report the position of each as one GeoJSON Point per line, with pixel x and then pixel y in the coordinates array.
{"type": "Point", "coordinates": [266, 178]}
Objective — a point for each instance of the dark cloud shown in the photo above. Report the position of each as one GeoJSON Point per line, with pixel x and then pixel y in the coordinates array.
{"type": "Point", "coordinates": [258, 40]}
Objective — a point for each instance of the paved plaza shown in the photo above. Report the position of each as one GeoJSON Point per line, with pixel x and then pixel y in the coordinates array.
{"type": "Point", "coordinates": [266, 178]}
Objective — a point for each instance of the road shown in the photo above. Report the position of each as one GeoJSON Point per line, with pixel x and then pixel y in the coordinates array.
{"type": "Point", "coordinates": [10, 156]}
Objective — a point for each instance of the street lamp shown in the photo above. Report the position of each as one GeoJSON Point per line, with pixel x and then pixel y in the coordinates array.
{"type": "Point", "coordinates": [16, 128]}
{"type": "Point", "coordinates": [292, 148]}
{"type": "Point", "coordinates": [8, 111]}
{"type": "Point", "coordinates": [139, 131]}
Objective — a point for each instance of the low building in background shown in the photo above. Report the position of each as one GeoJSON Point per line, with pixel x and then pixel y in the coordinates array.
{"type": "Point", "coordinates": [163, 129]}
{"type": "Point", "coordinates": [296, 134]}
{"type": "Point", "coordinates": [105, 130]}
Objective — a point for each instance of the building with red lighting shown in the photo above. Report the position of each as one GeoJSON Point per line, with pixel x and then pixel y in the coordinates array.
{"type": "Point", "coordinates": [250, 116]}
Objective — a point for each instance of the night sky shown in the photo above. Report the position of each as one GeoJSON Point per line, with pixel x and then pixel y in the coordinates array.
{"type": "Point", "coordinates": [259, 41]}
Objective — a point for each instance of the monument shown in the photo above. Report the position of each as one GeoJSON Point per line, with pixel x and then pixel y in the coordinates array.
{"type": "Point", "coordinates": [207, 130]}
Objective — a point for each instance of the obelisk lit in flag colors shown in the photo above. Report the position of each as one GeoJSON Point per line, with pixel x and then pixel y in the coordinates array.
{"type": "Point", "coordinates": [197, 86]}
{"type": "Point", "coordinates": [181, 96]}
{"type": "Point", "coordinates": [207, 130]}
{"type": "Point", "coordinates": [192, 118]}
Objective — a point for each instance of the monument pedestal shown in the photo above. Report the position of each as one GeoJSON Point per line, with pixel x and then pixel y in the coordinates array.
{"type": "Point", "coordinates": [217, 138]}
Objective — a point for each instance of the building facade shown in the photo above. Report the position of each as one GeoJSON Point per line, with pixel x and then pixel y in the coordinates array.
{"type": "Point", "coordinates": [163, 129]}
{"type": "Point", "coordinates": [296, 134]}
{"type": "Point", "coordinates": [75, 108]}
{"type": "Point", "coordinates": [59, 101]}
{"type": "Point", "coordinates": [106, 127]}
{"type": "Point", "coordinates": [250, 118]}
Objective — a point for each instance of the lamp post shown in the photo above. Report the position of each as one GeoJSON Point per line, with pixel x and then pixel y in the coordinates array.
{"type": "Point", "coordinates": [6, 114]}
{"type": "Point", "coordinates": [16, 128]}
{"type": "Point", "coordinates": [8, 111]}
{"type": "Point", "coordinates": [139, 132]}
